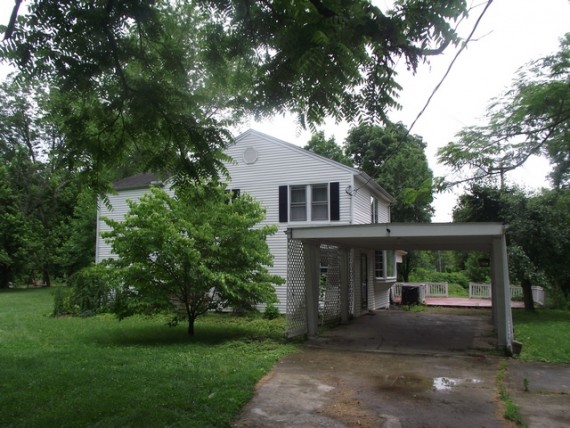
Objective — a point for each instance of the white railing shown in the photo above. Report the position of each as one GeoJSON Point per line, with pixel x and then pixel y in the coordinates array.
{"type": "Point", "coordinates": [436, 289]}
{"type": "Point", "coordinates": [479, 291]}
{"type": "Point", "coordinates": [538, 294]}
{"type": "Point", "coordinates": [483, 291]}
{"type": "Point", "coordinates": [429, 289]}
{"type": "Point", "coordinates": [396, 289]}
{"type": "Point", "coordinates": [516, 292]}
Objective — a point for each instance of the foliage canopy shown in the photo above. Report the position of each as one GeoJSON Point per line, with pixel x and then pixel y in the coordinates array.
{"type": "Point", "coordinates": [531, 118]}
{"type": "Point", "coordinates": [538, 236]}
{"type": "Point", "coordinates": [164, 79]}
{"type": "Point", "coordinates": [397, 161]}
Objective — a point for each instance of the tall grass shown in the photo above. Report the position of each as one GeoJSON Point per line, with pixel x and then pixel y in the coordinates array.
{"type": "Point", "coordinates": [99, 372]}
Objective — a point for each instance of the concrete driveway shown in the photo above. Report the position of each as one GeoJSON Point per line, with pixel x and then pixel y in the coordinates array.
{"type": "Point", "coordinates": [387, 369]}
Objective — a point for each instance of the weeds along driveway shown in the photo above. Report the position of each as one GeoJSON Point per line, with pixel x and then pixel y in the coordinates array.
{"type": "Point", "coordinates": [386, 369]}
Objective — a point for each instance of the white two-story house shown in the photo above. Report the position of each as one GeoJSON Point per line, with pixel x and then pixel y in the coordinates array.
{"type": "Point", "coordinates": [297, 188]}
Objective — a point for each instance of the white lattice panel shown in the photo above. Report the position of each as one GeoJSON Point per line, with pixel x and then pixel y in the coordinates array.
{"type": "Point", "coordinates": [329, 295]}
{"type": "Point", "coordinates": [296, 324]}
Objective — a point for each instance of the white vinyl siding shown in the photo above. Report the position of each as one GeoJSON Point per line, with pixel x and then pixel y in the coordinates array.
{"type": "Point", "coordinates": [117, 211]}
{"type": "Point", "coordinates": [261, 166]}
{"type": "Point", "coordinates": [280, 164]}
{"type": "Point", "coordinates": [382, 295]}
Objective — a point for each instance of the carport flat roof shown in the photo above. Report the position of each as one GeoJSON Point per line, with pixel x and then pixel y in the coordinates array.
{"type": "Point", "coordinates": [405, 236]}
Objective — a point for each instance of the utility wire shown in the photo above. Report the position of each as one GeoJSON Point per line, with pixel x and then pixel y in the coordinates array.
{"type": "Point", "coordinates": [463, 46]}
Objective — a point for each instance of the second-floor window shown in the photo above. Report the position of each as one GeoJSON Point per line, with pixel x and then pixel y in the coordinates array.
{"type": "Point", "coordinates": [319, 202]}
{"type": "Point", "coordinates": [309, 202]}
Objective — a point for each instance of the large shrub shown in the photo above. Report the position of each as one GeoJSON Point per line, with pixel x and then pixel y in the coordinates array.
{"type": "Point", "coordinates": [89, 291]}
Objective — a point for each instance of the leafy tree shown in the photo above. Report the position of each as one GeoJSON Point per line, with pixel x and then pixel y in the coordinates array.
{"type": "Point", "coordinates": [538, 236]}
{"type": "Point", "coordinates": [39, 194]}
{"type": "Point", "coordinates": [327, 147]}
{"type": "Point", "coordinates": [397, 161]}
{"type": "Point", "coordinates": [531, 118]}
{"type": "Point", "coordinates": [200, 249]}
{"type": "Point", "coordinates": [164, 79]}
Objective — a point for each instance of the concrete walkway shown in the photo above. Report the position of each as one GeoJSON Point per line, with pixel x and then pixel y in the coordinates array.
{"type": "Point", "coordinates": [398, 369]}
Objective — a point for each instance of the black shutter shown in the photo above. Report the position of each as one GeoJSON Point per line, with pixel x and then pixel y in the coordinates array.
{"type": "Point", "coordinates": [334, 190]}
{"type": "Point", "coordinates": [283, 190]}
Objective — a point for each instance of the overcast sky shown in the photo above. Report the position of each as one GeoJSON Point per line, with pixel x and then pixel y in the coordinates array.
{"type": "Point", "coordinates": [512, 33]}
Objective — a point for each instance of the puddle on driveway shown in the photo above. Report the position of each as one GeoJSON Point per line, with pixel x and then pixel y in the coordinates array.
{"type": "Point", "coordinates": [448, 383]}
{"type": "Point", "coordinates": [412, 383]}
{"type": "Point", "coordinates": [405, 383]}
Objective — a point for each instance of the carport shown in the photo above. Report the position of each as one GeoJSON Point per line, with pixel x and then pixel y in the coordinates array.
{"type": "Point", "coordinates": [345, 244]}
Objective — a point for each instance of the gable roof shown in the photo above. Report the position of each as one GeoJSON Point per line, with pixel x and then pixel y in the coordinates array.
{"type": "Point", "coordinates": [362, 176]}
{"type": "Point", "coordinates": [138, 181]}
{"type": "Point", "coordinates": [144, 180]}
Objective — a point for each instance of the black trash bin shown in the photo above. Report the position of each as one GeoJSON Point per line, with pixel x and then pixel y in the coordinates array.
{"type": "Point", "coordinates": [410, 295]}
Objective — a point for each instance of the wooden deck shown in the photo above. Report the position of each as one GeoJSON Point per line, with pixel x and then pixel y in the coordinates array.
{"type": "Point", "coordinates": [464, 302]}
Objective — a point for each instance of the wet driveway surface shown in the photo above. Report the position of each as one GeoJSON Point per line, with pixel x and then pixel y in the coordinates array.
{"type": "Point", "coordinates": [387, 369]}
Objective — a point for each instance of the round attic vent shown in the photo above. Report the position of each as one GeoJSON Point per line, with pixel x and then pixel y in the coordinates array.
{"type": "Point", "coordinates": [250, 155]}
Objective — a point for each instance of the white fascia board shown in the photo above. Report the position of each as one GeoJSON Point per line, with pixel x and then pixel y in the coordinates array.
{"type": "Point", "coordinates": [403, 236]}
{"type": "Point", "coordinates": [402, 230]}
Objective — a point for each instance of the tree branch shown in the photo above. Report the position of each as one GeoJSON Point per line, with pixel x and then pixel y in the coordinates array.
{"type": "Point", "coordinates": [12, 24]}
{"type": "Point", "coordinates": [322, 9]}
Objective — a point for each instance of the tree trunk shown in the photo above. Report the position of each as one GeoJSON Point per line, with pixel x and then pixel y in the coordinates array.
{"type": "Point", "coordinates": [527, 294]}
{"type": "Point", "coordinates": [46, 277]}
{"type": "Point", "coordinates": [191, 326]}
{"type": "Point", "coordinates": [5, 276]}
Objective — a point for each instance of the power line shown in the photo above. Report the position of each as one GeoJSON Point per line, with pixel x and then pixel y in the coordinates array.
{"type": "Point", "coordinates": [409, 130]}
{"type": "Point", "coordinates": [463, 46]}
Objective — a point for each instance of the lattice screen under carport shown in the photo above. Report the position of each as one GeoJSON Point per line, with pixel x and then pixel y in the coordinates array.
{"type": "Point", "coordinates": [329, 287]}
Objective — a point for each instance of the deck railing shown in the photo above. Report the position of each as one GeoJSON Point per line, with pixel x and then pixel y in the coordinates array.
{"type": "Point", "coordinates": [483, 291]}
{"type": "Point", "coordinates": [479, 291]}
{"type": "Point", "coordinates": [429, 289]}
{"type": "Point", "coordinates": [437, 289]}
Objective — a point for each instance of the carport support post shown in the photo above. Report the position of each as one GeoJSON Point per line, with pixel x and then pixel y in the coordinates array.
{"type": "Point", "coordinates": [504, 316]}
{"type": "Point", "coordinates": [495, 278]}
{"type": "Point", "coordinates": [344, 271]}
{"type": "Point", "coordinates": [311, 253]}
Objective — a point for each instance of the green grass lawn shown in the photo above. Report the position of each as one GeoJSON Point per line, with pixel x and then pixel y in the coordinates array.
{"type": "Point", "coordinates": [100, 372]}
{"type": "Point", "coordinates": [545, 335]}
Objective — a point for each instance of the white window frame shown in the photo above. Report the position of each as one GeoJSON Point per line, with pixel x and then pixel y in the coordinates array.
{"type": "Point", "coordinates": [373, 210]}
{"type": "Point", "coordinates": [384, 273]}
{"type": "Point", "coordinates": [309, 203]}
{"type": "Point", "coordinates": [297, 204]}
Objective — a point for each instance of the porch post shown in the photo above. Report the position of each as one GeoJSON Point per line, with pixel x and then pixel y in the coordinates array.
{"type": "Point", "coordinates": [495, 279]}
{"type": "Point", "coordinates": [312, 261]}
{"type": "Point", "coordinates": [504, 321]}
{"type": "Point", "coordinates": [344, 270]}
